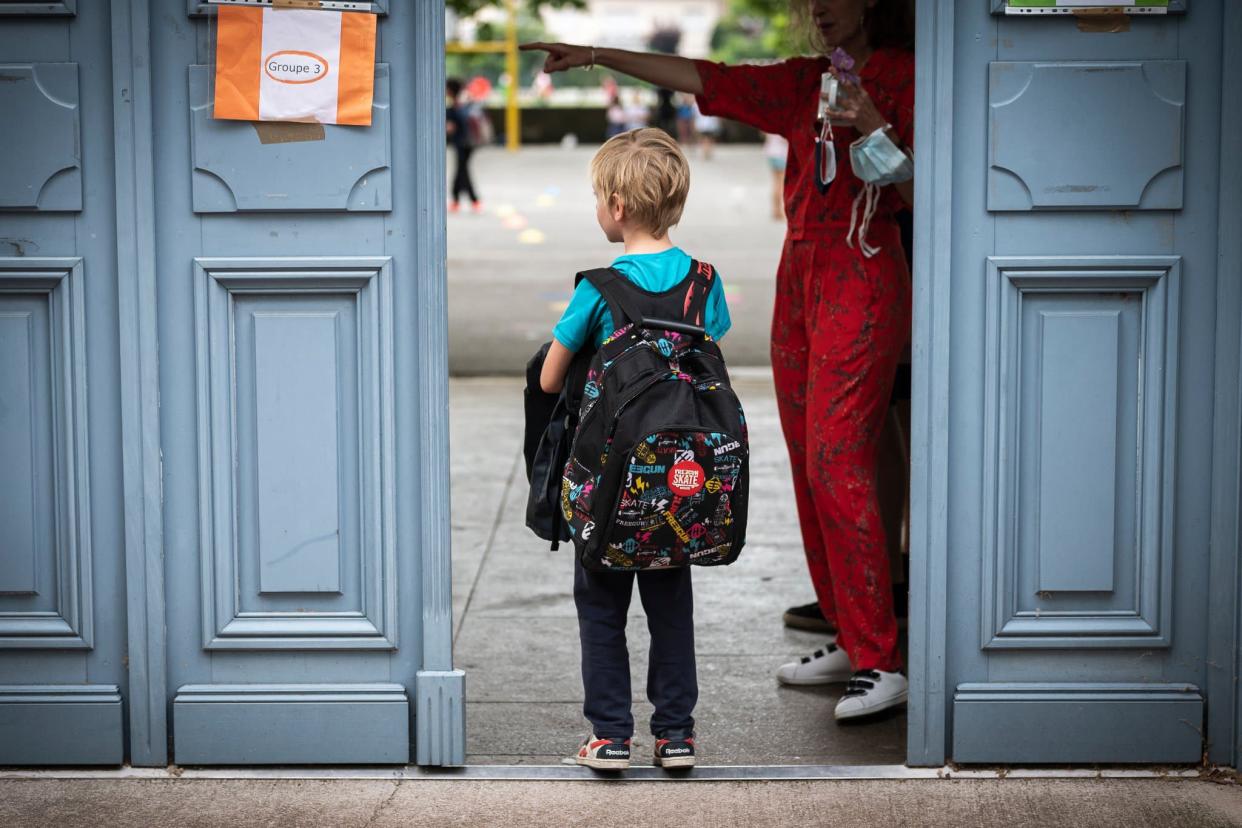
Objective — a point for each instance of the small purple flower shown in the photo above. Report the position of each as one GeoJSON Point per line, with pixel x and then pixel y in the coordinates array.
{"type": "Point", "coordinates": [843, 63]}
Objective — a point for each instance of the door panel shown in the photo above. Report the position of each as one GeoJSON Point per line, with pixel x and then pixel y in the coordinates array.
{"type": "Point", "coordinates": [223, 448]}
{"type": "Point", "coordinates": [1081, 355]}
{"type": "Point", "coordinates": [999, 723]}
{"type": "Point", "coordinates": [46, 587]}
{"type": "Point", "coordinates": [62, 645]}
{"type": "Point", "coordinates": [1081, 284]}
{"type": "Point", "coordinates": [1072, 161]}
{"type": "Point", "coordinates": [288, 298]}
{"type": "Point", "coordinates": [294, 409]}
{"type": "Point", "coordinates": [352, 166]}
{"type": "Point", "coordinates": [43, 167]}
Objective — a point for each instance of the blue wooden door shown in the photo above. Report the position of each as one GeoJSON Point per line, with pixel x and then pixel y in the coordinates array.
{"type": "Point", "coordinates": [62, 647]}
{"type": "Point", "coordinates": [299, 273]}
{"type": "Point", "coordinates": [1068, 293]}
{"type": "Point", "coordinates": [223, 404]}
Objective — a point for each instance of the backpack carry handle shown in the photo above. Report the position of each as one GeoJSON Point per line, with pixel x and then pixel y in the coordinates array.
{"type": "Point", "coordinates": [620, 295]}
{"type": "Point", "coordinates": [671, 325]}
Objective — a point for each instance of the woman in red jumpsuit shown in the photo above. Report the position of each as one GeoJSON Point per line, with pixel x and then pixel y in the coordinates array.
{"type": "Point", "coordinates": [842, 314]}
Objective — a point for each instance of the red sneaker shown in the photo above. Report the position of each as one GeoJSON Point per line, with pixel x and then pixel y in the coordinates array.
{"type": "Point", "coordinates": [604, 754]}
{"type": "Point", "coordinates": [674, 753]}
{"type": "Point", "coordinates": [453, 207]}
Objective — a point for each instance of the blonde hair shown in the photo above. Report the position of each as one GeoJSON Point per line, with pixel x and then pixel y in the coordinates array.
{"type": "Point", "coordinates": [648, 171]}
{"type": "Point", "coordinates": [802, 27]}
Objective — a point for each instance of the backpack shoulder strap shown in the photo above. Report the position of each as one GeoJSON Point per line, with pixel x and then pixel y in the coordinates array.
{"type": "Point", "coordinates": [594, 275]}
{"type": "Point", "coordinates": [611, 286]}
{"type": "Point", "coordinates": [694, 305]}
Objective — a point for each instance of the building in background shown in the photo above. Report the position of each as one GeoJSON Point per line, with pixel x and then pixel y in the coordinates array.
{"type": "Point", "coordinates": [631, 24]}
{"type": "Point", "coordinates": [622, 24]}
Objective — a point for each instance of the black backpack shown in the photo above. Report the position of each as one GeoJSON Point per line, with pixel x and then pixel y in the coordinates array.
{"type": "Point", "coordinates": [550, 423]}
{"type": "Point", "coordinates": [657, 474]}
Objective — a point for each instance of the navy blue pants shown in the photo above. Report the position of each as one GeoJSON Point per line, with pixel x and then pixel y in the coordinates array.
{"type": "Point", "coordinates": [603, 600]}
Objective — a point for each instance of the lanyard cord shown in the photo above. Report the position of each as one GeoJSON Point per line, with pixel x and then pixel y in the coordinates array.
{"type": "Point", "coordinates": [868, 197]}
{"type": "Point", "coordinates": [825, 158]}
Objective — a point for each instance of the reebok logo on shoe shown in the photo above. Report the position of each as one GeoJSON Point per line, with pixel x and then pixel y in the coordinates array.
{"type": "Point", "coordinates": [674, 753]}
{"type": "Point", "coordinates": [604, 754]}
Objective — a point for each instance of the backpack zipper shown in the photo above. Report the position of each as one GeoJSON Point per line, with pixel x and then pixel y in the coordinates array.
{"type": "Point", "coordinates": [642, 389]}
{"type": "Point", "coordinates": [600, 381]}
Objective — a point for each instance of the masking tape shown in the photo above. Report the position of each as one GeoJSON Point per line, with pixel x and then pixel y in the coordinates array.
{"type": "Point", "coordinates": [287, 132]}
{"type": "Point", "coordinates": [1102, 21]}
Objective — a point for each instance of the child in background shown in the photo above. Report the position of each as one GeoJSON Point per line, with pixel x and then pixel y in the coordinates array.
{"type": "Point", "coordinates": [458, 128]}
{"type": "Point", "coordinates": [708, 129]}
{"type": "Point", "coordinates": [616, 117]}
{"type": "Point", "coordinates": [776, 150]}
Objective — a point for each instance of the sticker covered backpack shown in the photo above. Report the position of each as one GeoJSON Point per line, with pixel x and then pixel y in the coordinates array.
{"type": "Point", "coordinates": [657, 475]}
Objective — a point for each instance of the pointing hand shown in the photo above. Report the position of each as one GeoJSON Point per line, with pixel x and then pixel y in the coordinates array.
{"type": "Point", "coordinates": [561, 56]}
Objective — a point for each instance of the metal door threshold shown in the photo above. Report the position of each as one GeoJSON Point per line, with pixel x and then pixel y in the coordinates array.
{"type": "Point", "coordinates": [565, 773]}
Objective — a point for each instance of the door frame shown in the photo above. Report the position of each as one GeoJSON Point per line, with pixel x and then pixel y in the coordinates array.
{"type": "Point", "coordinates": [1224, 737]}
{"type": "Point", "coordinates": [439, 717]}
{"type": "Point", "coordinates": [927, 722]}
{"type": "Point", "coordinates": [134, 147]}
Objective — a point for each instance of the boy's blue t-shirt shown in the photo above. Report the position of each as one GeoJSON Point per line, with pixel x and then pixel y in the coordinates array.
{"type": "Point", "coordinates": [587, 319]}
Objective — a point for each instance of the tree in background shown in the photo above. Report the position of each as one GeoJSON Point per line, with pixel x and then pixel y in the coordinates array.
{"type": "Point", "coordinates": [530, 27]}
{"type": "Point", "coordinates": [492, 65]}
{"type": "Point", "coordinates": [755, 30]}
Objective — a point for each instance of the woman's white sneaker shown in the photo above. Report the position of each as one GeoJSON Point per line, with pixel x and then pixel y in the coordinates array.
{"type": "Point", "coordinates": [824, 666]}
{"type": "Point", "coordinates": [871, 691]}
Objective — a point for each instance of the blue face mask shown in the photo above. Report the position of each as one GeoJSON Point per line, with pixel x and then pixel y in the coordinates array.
{"type": "Point", "coordinates": [877, 160]}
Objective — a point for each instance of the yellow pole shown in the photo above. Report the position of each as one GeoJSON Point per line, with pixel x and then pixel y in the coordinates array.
{"type": "Point", "coordinates": [513, 118]}
{"type": "Point", "coordinates": [482, 48]}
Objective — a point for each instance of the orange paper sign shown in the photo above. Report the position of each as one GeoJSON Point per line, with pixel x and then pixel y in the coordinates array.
{"type": "Point", "coordinates": [295, 65]}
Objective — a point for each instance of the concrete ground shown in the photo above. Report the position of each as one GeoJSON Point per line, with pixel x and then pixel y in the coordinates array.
{"type": "Point", "coordinates": [516, 632]}
{"type": "Point", "coordinates": [1009, 803]}
{"type": "Point", "coordinates": [511, 268]}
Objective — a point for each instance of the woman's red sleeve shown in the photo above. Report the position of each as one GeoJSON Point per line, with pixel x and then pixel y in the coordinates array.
{"type": "Point", "coordinates": [766, 97]}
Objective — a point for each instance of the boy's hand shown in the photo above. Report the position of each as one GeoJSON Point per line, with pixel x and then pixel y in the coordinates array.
{"type": "Point", "coordinates": [561, 56]}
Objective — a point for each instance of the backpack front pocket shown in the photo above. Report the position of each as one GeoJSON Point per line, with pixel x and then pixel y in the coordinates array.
{"type": "Point", "coordinates": [675, 504]}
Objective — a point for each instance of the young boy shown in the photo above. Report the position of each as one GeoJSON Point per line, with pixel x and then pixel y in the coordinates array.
{"type": "Point", "coordinates": [640, 179]}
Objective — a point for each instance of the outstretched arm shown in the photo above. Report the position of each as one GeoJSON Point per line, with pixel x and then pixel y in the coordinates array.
{"type": "Point", "coordinates": [667, 71]}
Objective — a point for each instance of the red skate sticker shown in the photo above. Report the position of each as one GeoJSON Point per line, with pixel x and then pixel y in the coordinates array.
{"type": "Point", "coordinates": [686, 478]}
